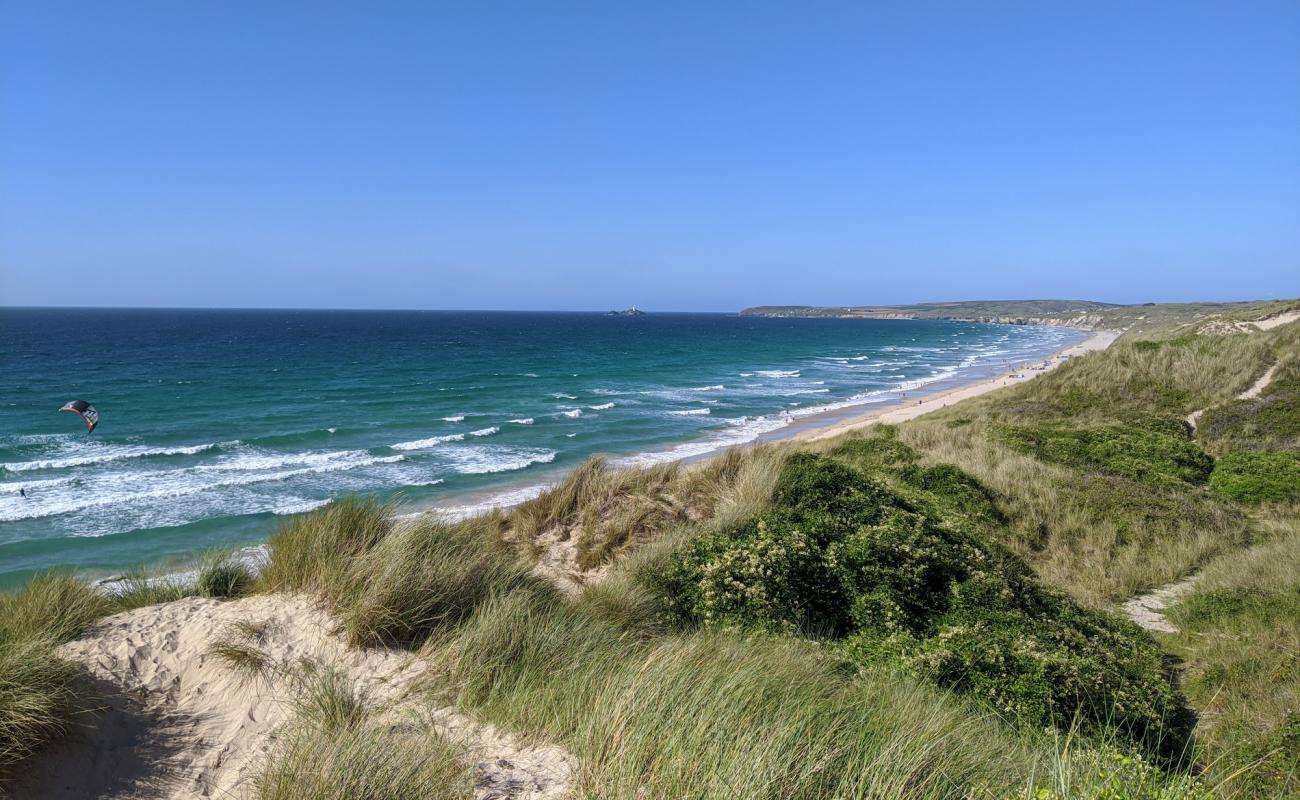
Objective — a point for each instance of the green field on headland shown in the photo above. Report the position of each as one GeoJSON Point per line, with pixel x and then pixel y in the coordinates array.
{"type": "Point", "coordinates": [1085, 585]}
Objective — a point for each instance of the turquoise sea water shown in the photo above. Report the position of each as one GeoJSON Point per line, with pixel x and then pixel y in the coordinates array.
{"type": "Point", "coordinates": [214, 424]}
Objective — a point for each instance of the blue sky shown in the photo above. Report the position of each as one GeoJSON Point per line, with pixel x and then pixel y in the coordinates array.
{"type": "Point", "coordinates": [685, 156]}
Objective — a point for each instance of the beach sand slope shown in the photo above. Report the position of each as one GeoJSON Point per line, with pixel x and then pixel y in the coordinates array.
{"type": "Point", "coordinates": [178, 722]}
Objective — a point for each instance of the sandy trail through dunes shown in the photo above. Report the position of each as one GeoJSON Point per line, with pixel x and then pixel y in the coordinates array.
{"type": "Point", "coordinates": [180, 723]}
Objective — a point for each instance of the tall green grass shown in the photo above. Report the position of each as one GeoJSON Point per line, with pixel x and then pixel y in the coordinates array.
{"type": "Point", "coordinates": [39, 695]}
{"type": "Point", "coordinates": [336, 749]}
{"type": "Point", "coordinates": [313, 552]}
{"type": "Point", "coordinates": [609, 509]}
{"type": "Point", "coordinates": [1240, 640]}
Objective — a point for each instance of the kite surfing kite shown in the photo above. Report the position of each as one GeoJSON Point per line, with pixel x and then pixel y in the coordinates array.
{"type": "Point", "coordinates": [86, 411]}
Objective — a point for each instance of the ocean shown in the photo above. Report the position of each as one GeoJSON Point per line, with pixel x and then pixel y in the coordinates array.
{"type": "Point", "coordinates": [216, 424]}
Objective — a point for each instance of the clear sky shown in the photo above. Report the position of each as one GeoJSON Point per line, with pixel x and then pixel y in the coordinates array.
{"type": "Point", "coordinates": [676, 156]}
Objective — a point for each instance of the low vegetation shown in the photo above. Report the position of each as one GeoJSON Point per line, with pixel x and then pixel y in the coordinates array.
{"type": "Point", "coordinates": [1240, 644]}
{"type": "Point", "coordinates": [840, 555]}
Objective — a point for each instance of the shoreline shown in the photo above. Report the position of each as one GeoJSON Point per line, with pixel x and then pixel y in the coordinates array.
{"type": "Point", "coordinates": [827, 424]}
{"type": "Point", "coordinates": [900, 412]}
{"type": "Point", "coordinates": [887, 409]}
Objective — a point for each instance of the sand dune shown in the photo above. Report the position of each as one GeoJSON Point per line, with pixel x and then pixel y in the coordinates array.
{"type": "Point", "coordinates": [178, 722]}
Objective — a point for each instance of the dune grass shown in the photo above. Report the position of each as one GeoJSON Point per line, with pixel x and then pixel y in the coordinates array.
{"type": "Point", "coordinates": [608, 509]}
{"type": "Point", "coordinates": [377, 763]}
{"type": "Point", "coordinates": [39, 695]}
{"type": "Point", "coordinates": [312, 552]}
{"type": "Point", "coordinates": [335, 749]}
{"type": "Point", "coordinates": [1240, 641]}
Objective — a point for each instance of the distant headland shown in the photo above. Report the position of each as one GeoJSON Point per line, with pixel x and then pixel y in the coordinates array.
{"type": "Point", "coordinates": [1085, 314]}
{"type": "Point", "coordinates": [627, 312]}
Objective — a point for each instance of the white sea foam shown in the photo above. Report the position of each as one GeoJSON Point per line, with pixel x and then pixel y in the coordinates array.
{"type": "Point", "coordinates": [738, 431]}
{"type": "Point", "coordinates": [779, 373]}
{"type": "Point", "coordinates": [297, 505]}
{"type": "Point", "coordinates": [796, 392]}
{"type": "Point", "coordinates": [169, 484]}
{"type": "Point", "coordinates": [484, 431]}
{"type": "Point", "coordinates": [572, 413]}
{"type": "Point", "coordinates": [601, 407]}
{"type": "Point", "coordinates": [454, 418]}
{"type": "Point", "coordinates": [563, 396]}
{"type": "Point", "coordinates": [482, 459]}
{"type": "Point", "coordinates": [691, 412]}
{"type": "Point", "coordinates": [432, 441]}
{"type": "Point", "coordinates": [103, 454]}
{"type": "Point", "coordinates": [717, 387]}
{"type": "Point", "coordinates": [523, 421]}
{"type": "Point", "coordinates": [505, 499]}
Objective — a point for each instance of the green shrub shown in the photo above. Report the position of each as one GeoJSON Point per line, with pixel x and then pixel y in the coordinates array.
{"type": "Point", "coordinates": [1258, 477]}
{"type": "Point", "coordinates": [764, 575]}
{"type": "Point", "coordinates": [1154, 451]}
{"type": "Point", "coordinates": [882, 450]}
{"type": "Point", "coordinates": [956, 497]}
{"type": "Point", "coordinates": [842, 555]}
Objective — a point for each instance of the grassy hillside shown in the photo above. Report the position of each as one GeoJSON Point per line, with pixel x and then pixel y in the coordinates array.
{"type": "Point", "coordinates": [924, 611]}
{"type": "Point", "coordinates": [1163, 319]}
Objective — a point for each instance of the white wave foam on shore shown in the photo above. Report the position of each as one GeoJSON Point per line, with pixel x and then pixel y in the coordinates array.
{"type": "Point", "coordinates": [298, 505]}
{"type": "Point", "coordinates": [482, 459]}
{"type": "Point", "coordinates": [104, 454]}
{"type": "Point", "coordinates": [432, 441]}
{"type": "Point", "coordinates": [167, 484]}
{"type": "Point", "coordinates": [504, 499]}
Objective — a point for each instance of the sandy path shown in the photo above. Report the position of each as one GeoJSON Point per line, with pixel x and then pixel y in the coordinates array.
{"type": "Point", "coordinates": [1276, 321]}
{"type": "Point", "coordinates": [180, 723]}
{"type": "Point", "coordinates": [1148, 610]}
{"type": "Point", "coordinates": [1250, 394]}
{"type": "Point", "coordinates": [1097, 341]}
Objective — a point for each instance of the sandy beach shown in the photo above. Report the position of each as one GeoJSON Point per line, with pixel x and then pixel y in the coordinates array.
{"type": "Point", "coordinates": [892, 414]}
{"type": "Point", "coordinates": [811, 428]}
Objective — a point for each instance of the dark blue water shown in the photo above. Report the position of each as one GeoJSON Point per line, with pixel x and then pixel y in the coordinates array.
{"type": "Point", "coordinates": [216, 423]}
